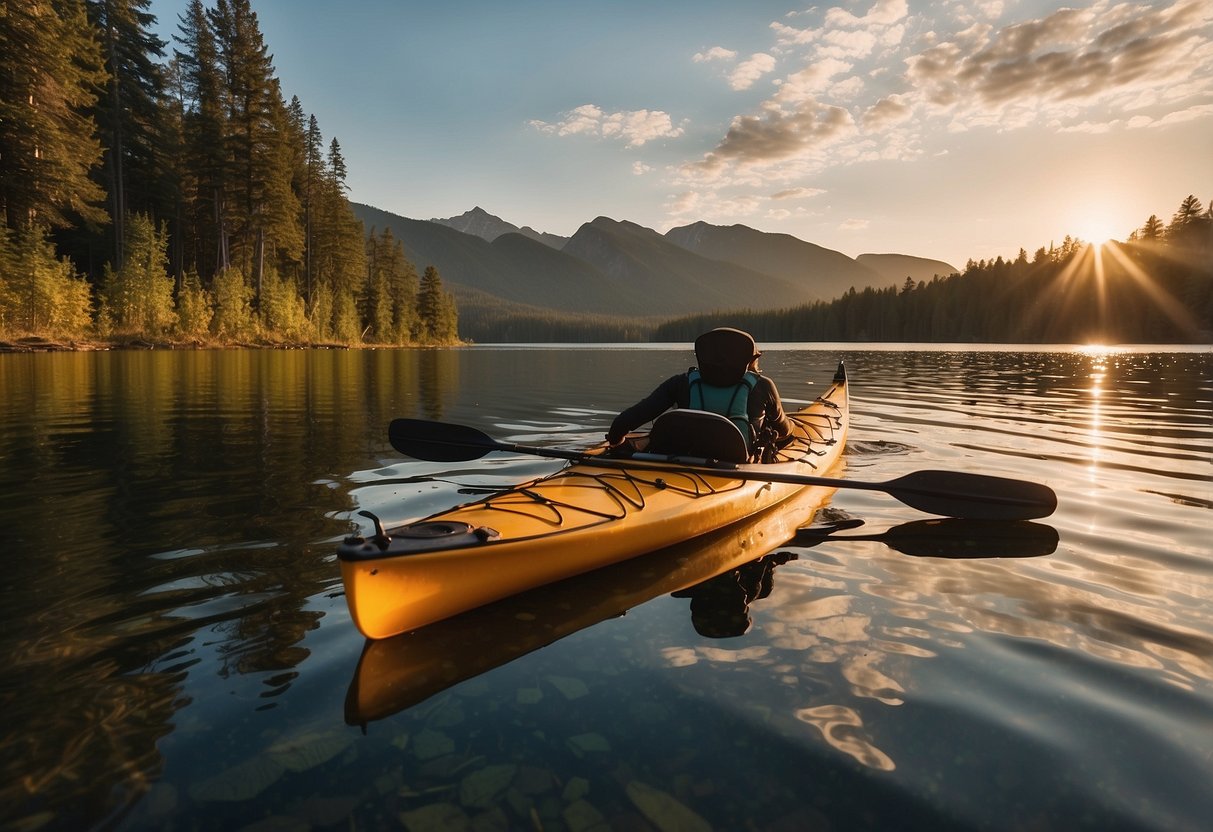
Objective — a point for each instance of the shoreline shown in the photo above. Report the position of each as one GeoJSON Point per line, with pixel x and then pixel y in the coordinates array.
{"type": "Point", "coordinates": [38, 344]}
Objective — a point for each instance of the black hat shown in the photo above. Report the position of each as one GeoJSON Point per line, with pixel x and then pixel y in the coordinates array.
{"type": "Point", "coordinates": [724, 354]}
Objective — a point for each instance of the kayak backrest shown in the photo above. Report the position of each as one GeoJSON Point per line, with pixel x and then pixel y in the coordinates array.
{"type": "Point", "coordinates": [698, 433]}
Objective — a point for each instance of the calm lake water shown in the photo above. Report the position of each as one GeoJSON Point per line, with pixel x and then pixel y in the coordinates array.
{"type": "Point", "coordinates": [178, 654]}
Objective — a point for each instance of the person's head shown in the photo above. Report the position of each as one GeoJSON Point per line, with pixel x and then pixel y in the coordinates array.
{"type": "Point", "coordinates": [724, 354]}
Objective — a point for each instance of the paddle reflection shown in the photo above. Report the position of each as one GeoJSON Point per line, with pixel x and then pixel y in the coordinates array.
{"type": "Point", "coordinates": [949, 537]}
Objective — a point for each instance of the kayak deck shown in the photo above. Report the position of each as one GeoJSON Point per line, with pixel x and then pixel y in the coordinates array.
{"type": "Point", "coordinates": [590, 514]}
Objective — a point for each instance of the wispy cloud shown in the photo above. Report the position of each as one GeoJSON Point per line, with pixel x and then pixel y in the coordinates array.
{"type": "Point", "coordinates": [635, 127]}
{"type": "Point", "coordinates": [750, 70]}
{"type": "Point", "coordinates": [797, 193]}
{"type": "Point", "coordinates": [716, 53]}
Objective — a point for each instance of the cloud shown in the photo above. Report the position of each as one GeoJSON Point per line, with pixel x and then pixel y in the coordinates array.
{"type": "Point", "coordinates": [634, 127]}
{"type": "Point", "coordinates": [640, 168]}
{"type": "Point", "coordinates": [854, 225]}
{"type": "Point", "coordinates": [1177, 117]}
{"type": "Point", "coordinates": [716, 53]}
{"type": "Point", "coordinates": [883, 13]}
{"type": "Point", "coordinates": [885, 113]}
{"type": "Point", "coordinates": [811, 81]}
{"type": "Point", "coordinates": [846, 35]}
{"type": "Point", "coordinates": [797, 193]}
{"type": "Point", "coordinates": [776, 135]}
{"type": "Point", "coordinates": [1084, 57]}
{"type": "Point", "coordinates": [749, 71]}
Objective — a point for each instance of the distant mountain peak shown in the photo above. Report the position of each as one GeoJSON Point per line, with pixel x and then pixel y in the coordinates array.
{"type": "Point", "coordinates": [481, 223]}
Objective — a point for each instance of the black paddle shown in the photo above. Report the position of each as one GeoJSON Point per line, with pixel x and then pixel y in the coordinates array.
{"type": "Point", "coordinates": [951, 538]}
{"type": "Point", "coordinates": [948, 493]}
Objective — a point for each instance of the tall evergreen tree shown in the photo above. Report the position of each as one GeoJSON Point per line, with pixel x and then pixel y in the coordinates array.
{"type": "Point", "coordinates": [436, 309]}
{"type": "Point", "coordinates": [259, 180]}
{"type": "Point", "coordinates": [202, 166]}
{"type": "Point", "coordinates": [130, 113]}
{"type": "Point", "coordinates": [48, 144]}
{"type": "Point", "coordinates": [1153, 229]}
{"type": "Point", "coordinates": [1188, 212]}
{"type": "Point", "coordinates": [313, 171]}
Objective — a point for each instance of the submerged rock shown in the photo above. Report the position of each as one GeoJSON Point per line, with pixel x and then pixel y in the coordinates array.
{"type": "Point", "coordinates": [310, 750]}
{"type": "Point", "coordinates": [483, 789]}
{"type": "Point", "coordinates": [588, 744]}
{"type": "Point", "coordinates": [429, 744]}
{"type": "Point", "coordinates": [570, 688]}
{"type": "Point", "coordinates": [529, 696]}
{"type": "Point", "coordinates": [437, 817]}
{"type": "Point", "coordinates": [581, 816]}
{"type": "Point", "coordinates": [575, 789]}
{"type": "Point", "coordinates": [664, 810]}
{"type": "Point", "coordinates": [240, 782]}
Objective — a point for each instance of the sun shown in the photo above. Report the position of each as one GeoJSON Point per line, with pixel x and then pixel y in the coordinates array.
{"type": "Point", "coordinates": [1096, 228]}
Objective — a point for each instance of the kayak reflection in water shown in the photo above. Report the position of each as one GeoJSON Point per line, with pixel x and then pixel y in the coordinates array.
{"type": "Point", "coordinates": [720, 606]}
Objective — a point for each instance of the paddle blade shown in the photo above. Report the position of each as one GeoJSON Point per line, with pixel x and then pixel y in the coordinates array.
{"type": "Point", "coordinates": [438, 441]}
{"type": "Point", "coordinates": [973, 496]}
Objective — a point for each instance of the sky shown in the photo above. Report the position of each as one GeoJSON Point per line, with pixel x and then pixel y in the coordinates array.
{"type": "Point", "coordinates": [952, 129]}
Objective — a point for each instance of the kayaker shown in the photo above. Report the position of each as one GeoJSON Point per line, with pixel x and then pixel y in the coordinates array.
{"type": "Point", "coordinates": [726, 381]}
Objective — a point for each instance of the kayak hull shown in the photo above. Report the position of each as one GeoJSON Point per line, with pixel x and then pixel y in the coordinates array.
{"type": "Point", "coordinates": [584, 517]}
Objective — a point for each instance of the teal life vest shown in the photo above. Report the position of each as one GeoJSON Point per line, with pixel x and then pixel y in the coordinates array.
{"type": "Point", "coordinates": [732, 402]}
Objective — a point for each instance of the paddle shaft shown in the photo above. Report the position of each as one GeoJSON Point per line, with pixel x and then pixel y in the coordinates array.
{"type": "Point", "coordinates": [947, 493]}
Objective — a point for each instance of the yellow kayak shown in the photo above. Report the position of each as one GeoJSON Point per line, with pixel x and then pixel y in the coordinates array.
{"type": "Point", "coordinates": [592, 513]}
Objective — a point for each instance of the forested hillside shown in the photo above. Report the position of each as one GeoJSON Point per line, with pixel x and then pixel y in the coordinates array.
{"type": "Point", "coordinates": [1155, 288]}
{"type": "Point", "coordinates": [174, 193]}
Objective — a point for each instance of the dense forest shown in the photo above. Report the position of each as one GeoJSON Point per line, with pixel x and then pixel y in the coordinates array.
{"type": "Point", "coordinates": [1156, 287]}
{"type": "Point", "coordinates": [181, 197]}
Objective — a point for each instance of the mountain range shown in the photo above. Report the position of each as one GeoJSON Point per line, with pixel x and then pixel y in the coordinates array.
{"type": "Point", "coordinates": [621, 269]}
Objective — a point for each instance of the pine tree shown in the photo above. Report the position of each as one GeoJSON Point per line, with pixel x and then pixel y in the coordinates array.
{"type": "Point", "coordinates": [202, 167]}
{"type": "Point", "coordinates": [195, 308]}
{"type": "Point", "coordinates": [130, 113]}
{"type": "Point", "coordinates": [52, 67]}
{"type": "Point", "coordinates": [138, 297]}
{"type": "Point", "coordinates": [439, 322]}
{"type": "Point", "coordinates": [258, 164]}
{"type": "Point", "coordinates": [1189, 210]}
{"type": "Point", "coordinates": [314, 170]}
{"type": "Point", "coordinates": [39, 293]}
{"type": "Point", "coordinates": [1153, 229]}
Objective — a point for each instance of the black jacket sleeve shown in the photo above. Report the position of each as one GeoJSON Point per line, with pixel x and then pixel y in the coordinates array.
{"type": "Point", "coordinates": [667, 394]}
{"type": "Point", "coordinates": [766, 409]}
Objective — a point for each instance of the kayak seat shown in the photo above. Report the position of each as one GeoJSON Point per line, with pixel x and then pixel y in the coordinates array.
{"type": "Point", "coordinates": [698, 433]}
